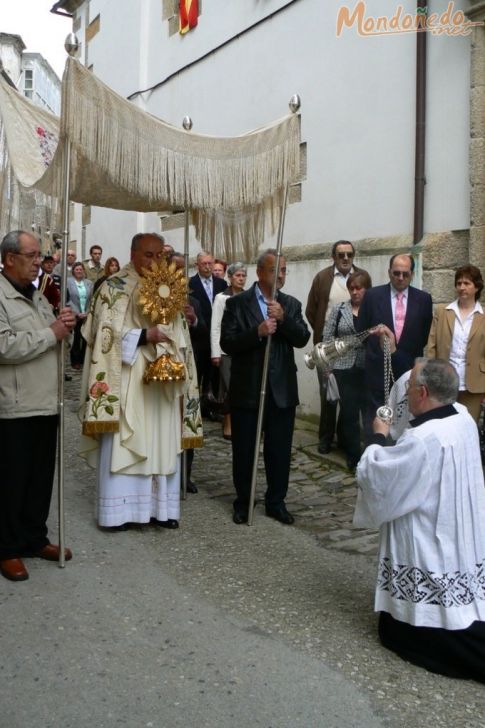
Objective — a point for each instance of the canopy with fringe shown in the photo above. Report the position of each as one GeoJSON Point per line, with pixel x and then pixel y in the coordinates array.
{"type": "Point", "coordinates": [125, 158]}
{"type": "Point", "coordinates": [29, 137]}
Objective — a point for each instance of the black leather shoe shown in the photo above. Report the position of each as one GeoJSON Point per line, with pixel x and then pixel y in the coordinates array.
{"type": "Point", "coordinates": [169, 523]}
{"type": "Point", "coordinates": [240, 517]}
{"type": "Point", "coordinates": [324, 448]}
{"type": "Point", "coordinates": [280, 514]}
{"type": "Point", "coordinates": [191, 487]}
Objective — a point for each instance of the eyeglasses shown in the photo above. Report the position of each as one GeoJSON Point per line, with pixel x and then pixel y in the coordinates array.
{"type": "Point", "coordinates": [342, 256]}
{"type": "Point", "coordinates": [30, 256]}
{"type": "Point", "coordinates": [401, 273]}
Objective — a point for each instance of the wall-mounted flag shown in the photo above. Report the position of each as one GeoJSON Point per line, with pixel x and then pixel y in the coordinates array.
{"type": "Point", "coordinates": [188, 14]}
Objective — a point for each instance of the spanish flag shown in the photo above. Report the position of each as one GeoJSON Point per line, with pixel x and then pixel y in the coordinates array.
{"type": "Point", "coordinates": [188, 14]}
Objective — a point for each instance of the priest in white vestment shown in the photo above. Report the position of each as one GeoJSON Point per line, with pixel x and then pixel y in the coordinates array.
{"type": "Point", "coordinates": [426, 495]}
{"type": "Point", "coordinates": [137, 426]}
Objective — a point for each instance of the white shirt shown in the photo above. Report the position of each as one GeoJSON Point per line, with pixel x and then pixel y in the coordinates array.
{"type": "Point", "coordinates": [459, 341]}
{"type": "Point", "coordinates": [338, 290]}
{"type": "Point", "coordinates": [338, 274]}
{"type": "Point", "coordinates": [217, 314]}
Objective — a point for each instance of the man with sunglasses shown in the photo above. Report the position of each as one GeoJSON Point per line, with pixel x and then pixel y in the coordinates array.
{"type": "Point", "coordinates": [408, 313]}
{"type": "Point", "coordinates": [329, 289]}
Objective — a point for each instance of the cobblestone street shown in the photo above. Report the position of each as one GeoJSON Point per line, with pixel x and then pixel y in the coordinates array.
{"type": "Point", "coordinates": [322, 491]}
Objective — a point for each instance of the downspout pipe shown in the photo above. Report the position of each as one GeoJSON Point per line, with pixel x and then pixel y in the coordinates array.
{"type": "Point", "coordinates": [420, 144]}
{"type": "Point", "coordinates": [55, 10]}
{"type": "Point", "coordinates": [59, 12]}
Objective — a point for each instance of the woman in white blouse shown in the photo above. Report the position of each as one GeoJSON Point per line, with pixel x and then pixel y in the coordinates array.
{"type": "Point", "coordinates": [458, 335]}
{"type": "Point", "coordinates": [237, 275]}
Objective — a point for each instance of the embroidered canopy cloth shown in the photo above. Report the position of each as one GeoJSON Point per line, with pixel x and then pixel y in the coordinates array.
{"type": "Point", "coordinates": [125, 158]}
{"type": "Point", "coordinates": [29, 137]}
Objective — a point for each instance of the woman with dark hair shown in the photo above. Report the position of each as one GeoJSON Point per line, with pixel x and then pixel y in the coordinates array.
{"type": "Point", "coordinates": [349, 369]}
{"type": "Point", "coordinates": [458, 335]}
{"type": "Point", "coordinates": [111, 267]}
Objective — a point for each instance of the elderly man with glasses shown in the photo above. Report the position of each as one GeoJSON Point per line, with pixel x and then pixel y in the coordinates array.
{"type": "Point", "coordinates": [408, 313]}
{"type": "Point", "coordinates": [29, 333]}
{"type": "Point", "coordinates": [71, 259]}
{"type": "Point", "coordinates": [329, 289]}
{"type": "Point", "coordinates": [426, 496]}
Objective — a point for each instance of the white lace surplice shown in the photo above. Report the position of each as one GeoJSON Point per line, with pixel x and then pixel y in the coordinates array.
{"type": "Point", "coordinates": [427, 496]}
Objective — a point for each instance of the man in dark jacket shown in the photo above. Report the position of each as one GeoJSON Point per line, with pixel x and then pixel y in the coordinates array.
{"type": "Point", "coordinates": [248, 320]}
{"type": "Point", "coordinates": [407, 312]}
{"type": "Point", "coordinates": [199, 338]}
{"type": "Point", "coordinates": [204, 287]}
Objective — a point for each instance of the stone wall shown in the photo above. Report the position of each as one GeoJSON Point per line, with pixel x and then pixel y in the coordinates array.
{"type": "Point", "coordinates": [477, 138]}
{"type": "Point", "coordinates": [437, 257]}
{"type": "Point", "coordinates": [442, 254]}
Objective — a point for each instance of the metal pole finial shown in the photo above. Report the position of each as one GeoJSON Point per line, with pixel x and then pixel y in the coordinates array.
{"type": "Point", "coordinates": [71, 44]}
{"type": "Point", "coordinates": [187, 123]}
{"type": "Point", "coordinates": [295, 103]}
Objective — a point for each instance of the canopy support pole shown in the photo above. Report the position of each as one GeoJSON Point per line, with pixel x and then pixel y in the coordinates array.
{"type": "Point", "coordinates": [61, 358]}
{"type": "Point", "coordinates": [186, 271]}
{"type": "Point", "coordinates": [187, 125]}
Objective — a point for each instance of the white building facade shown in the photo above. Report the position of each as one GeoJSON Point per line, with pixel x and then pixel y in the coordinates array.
{"type": "Point", "coordinates": [237, 70]}
{"type": "Point", "coordinates": [33, 77]}
{"type": "Point", "coordinates": [30, 73]}
{"type": "Point", "coordinates": [11, 49]}
{"type": "Point", "coordinates": [40, 83]}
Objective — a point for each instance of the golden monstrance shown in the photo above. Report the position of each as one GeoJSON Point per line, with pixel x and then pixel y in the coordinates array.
{"type": "Point", "coordinates": [162, 296]}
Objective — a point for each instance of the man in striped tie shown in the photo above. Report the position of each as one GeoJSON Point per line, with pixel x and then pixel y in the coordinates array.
{"type": "Point", "coordinates": [407, 312]}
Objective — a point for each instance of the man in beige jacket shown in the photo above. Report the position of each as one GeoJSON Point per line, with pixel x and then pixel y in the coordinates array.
{"type": "Point", "coordinates": [93, 267]}
{"type": "Point", "coordinates": [29, 333]}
